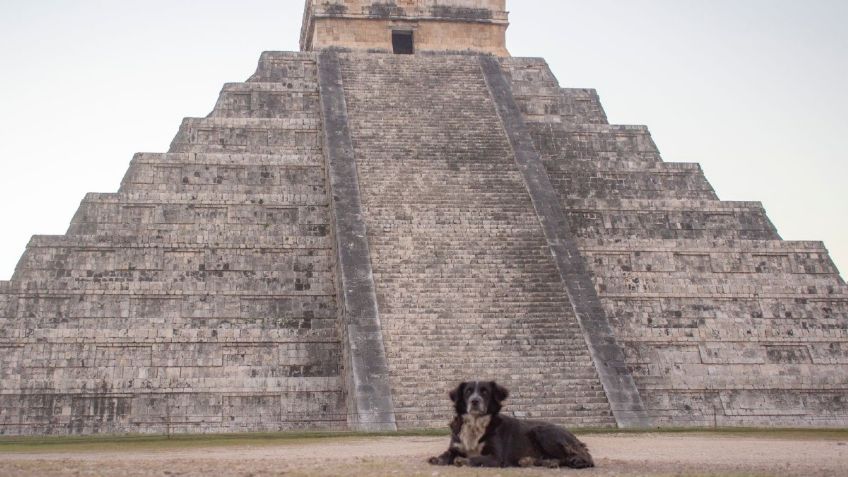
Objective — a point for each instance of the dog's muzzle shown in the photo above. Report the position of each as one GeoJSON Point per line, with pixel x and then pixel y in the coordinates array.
{"type": "Point", "coordinates": [476, 405]}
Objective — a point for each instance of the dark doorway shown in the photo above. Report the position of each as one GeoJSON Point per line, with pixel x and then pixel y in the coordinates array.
{"type": "Point", "coordinates": [402, 42]}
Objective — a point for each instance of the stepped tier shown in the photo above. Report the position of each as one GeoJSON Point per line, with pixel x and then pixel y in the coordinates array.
{"type": "Point", "coordinates": [201, 297]}
{"type": "Point", "coordinates": [721, 322]}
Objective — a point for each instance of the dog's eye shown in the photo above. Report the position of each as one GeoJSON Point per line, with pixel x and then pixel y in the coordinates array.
{"type": "Point", "coordinates": [484, 391]}
{"type": "Point", "coordinates": [468, 392]}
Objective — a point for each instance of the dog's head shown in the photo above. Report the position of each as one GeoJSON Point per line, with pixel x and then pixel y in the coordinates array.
{"type": "Point", "coordinates": [478, 398]}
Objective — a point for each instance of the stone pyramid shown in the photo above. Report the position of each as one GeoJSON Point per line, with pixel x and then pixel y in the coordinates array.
{"type": "Point", "coordinates": [352, 231]}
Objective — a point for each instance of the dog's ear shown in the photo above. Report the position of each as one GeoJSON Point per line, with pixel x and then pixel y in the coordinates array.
{"type": "Point", "coordinates": [458, 398]}
{"type": "Point", "coordinates": [456, 394]}
{"type": "Point", "coordinates": [500, 392]}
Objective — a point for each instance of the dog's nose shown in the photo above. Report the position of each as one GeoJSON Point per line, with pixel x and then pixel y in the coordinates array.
{"type": "Point", "coordinates": [475, 402]}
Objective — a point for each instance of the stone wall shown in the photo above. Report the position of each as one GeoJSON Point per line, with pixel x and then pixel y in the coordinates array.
{"type": "Point", "coordinates": [199, 298]}
{"type": "Point", "coordinates": [723, 324]}
{"type": "Point", "coordinates": [454, 25]}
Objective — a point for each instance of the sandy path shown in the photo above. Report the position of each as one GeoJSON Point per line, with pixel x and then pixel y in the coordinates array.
{"type": "Point", "coordinates": [616, 455]}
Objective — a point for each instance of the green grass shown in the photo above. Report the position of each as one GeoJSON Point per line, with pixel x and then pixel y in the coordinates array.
{"type": "Point", "coordinates": [187, 441]}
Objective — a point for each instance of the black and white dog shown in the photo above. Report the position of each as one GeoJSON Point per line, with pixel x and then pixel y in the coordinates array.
{"type": "Point", "coordinates": [482, 437]}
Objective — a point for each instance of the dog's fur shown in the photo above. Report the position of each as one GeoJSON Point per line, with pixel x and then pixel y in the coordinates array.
{"type": "Point", "coordinates": [482, 437]}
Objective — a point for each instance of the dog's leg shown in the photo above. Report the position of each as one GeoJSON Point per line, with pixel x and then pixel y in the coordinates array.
{"type": "Point", "coordinates": [445, 459]}
{"type": "Point", "coordinates": [478, 461]}
{"type": "Point", "coordinates": [534, 462]}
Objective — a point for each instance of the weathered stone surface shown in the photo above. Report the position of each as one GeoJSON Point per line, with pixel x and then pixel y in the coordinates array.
{"type": "Point", "coordinates": [340, 241]}
{"type": "Point", "coordinates": [466, 282]}
{"type": "Point", "coordinates": [470, 26]}
{"type": "Point", "coordinates": [199, 298]}
{"type": "Point", "coordinates": [370, 406]}
{"type": "Point", "coordinates": [721, 322]}
{"type": "Point", "coordinates": [621, 391]}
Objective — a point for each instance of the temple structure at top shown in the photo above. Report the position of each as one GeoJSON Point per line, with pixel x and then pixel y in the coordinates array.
{"type": "Point", "coordinates": [406, 26]}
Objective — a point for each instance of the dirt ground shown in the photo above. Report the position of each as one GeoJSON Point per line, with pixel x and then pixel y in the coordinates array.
{"type": "Point", "coordinates": [667, 454]}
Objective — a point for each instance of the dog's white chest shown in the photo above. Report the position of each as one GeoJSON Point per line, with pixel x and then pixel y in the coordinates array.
{"type": "Point", "coordinates": [473, 429]}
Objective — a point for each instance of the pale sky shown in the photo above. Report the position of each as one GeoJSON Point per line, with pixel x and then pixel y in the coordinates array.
{"type": "Point", "coordinates": [754, 90]}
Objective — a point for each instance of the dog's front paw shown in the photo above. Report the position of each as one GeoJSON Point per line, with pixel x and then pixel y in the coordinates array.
{"type": "Point", "coordinates": [527, 462]}
{"type": "Point", "coordinates": [578, 462]}
{"type": "Point", "coordinates": [461, 462]}
{"type": "Point", "coordinates": [437, 461]}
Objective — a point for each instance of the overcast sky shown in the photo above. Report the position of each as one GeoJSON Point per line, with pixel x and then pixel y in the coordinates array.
{"type": "Point", "coordinates": [754, 90]}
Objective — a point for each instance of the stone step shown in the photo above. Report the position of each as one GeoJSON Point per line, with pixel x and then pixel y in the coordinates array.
{"type": "Point", "coordinates": [204, 198]}
{"type": "Point", "coordinates": [668, 219]}
{"type": "Point", "coordinates": [586, 182]}
{"type": "Point", "coordinates": [98, 313]}
{"type": "Point", "coordinates": [715, 245]}
{"type": "Point", "coordinates": [117, 302]}
{"type": "Point", "coordinates": [282, 66]}
{"type": "Point", "coordinates": [258, 136]}
{"type": "Point", "coordinates": [711, 256]}
{"type": "Point", "coordinates": [520, 400]}
{"type": "Point", "coordinates": [611, 165]}
{"type": "Point", "coordinates": [293, 99]}
{"type": "Point", "coordinates": [225, 175]}
{"type": "Point", "coordinates": [538, 95]}
{"type": "Point", "coordinates": [612, 160]}
{"type": "Point", "coordinates": [147, 241]}
{"type": "Point", "coordinates": [137, 331]}
{"type": "Point", "coordinates": [112, 244]}
{"type": "Point", "coordinates": [760, 352]}
{"type": "Point", "coordinates": [487, 301]}
{"type": "Point", "coordinates": [295, 235]}
{"type": "Point", "coordinates": [315, 237]}
{"type": "Point", "coordinates": [647, 284]}
{"type": "Point", "coordinates": [529, 69]}
{"type": "Point", "coordinates": [686, 320]}
{"type": "Point", "coordinates": [136, 210]}
{"type": "Point", "coordinates": [554, 105]}
{"type": "Point", "coordinates": [218, 282]}
{"type": "Point", "coordinates": [172, 382]}
{"type": "Point", "coordinates": [81, 259]}
{"type": "Point", "coordinates": [295, 86]}
{"type": "Point", "coordinates": [580, 365]}
{"type": "Point", "coordinates": [175, 412]}
{"type": "Point", "coordinates": [594, 137]}
{"type": "Point", "coordinates": [305, 159]}
{"type": "Point", "coordinates": [744, 377]}
{"type": "Point", "coordinates": [189, 326]}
